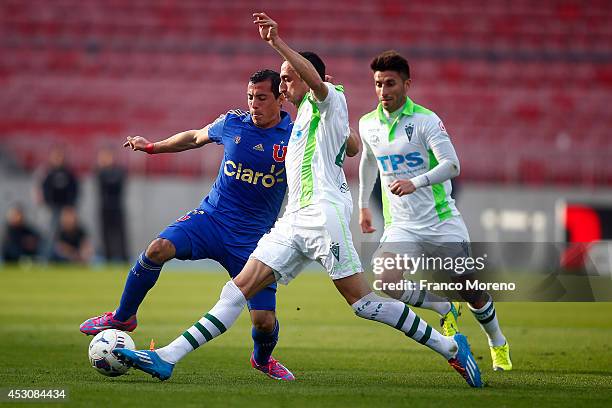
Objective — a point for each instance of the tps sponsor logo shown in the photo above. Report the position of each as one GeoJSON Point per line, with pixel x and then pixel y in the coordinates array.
{"type": "Point", "coordinates": [393, 161]}
{"type": "Point", "coordinates": [251, 176]}
{"type": "Point", "coordinates": [279, 153]}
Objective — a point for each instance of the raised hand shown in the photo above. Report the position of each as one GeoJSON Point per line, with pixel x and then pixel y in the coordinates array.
{"type": "Point", "coordinates": [268, 28]}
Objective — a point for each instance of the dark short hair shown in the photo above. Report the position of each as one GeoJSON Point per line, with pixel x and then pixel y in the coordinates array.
{"type": "Point", "coordinates": [391, 60]}
{"type": "Point", "coordinates": [264, 75]}
{"type": "Point", "coordinates": [316, 61]}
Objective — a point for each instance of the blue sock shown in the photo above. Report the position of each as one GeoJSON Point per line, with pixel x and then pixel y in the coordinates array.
{"type": "Point", "coordinates": [264, 343]}
{"type": "Point", "coordinates": [141, 278]}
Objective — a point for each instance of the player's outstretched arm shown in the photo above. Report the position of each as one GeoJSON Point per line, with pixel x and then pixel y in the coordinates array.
{"type": "Point", "coordinates": [268, 30]}
{"type": "Point", "coordinates": [189, 139]}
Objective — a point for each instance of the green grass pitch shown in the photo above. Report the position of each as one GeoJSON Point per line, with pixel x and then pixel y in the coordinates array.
{"type": "Point", "coordinates": [561, 352]}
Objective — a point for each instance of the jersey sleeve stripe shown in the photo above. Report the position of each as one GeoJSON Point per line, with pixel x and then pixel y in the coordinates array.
{"type": "Point", "coordinates": [307, 181]}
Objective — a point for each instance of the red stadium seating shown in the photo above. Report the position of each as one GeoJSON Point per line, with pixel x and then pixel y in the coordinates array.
{"type": "Point", "coordinates": [523, 87]}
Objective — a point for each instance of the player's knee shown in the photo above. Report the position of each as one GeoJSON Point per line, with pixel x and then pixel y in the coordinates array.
{"type": "Point", "coordinates": [264, 320]}
{"type": "Point", "coordinates": [160, 251]}
{"type": "Point", "coordinates": [391, 284]}
{"type": "Point", "coordinates": [476, 298]}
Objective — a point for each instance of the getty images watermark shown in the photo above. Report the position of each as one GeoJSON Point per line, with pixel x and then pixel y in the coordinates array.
{"type": "Point", "coordinates": [511, 271]}
{"type": "Point", "coordinates": [465, 267]}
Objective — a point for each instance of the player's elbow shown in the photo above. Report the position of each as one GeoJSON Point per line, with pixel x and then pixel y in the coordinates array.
{"type": "Point", "coordinates": [319, 89]}
{"type": "Point", "coordinates": [352, 148]}
{"type": "Point", "coordinates": [353, 144]}
{"type": "Point", "coordinates": [455, 168]}
{"type": "Point", "coordinates": [317, 83]}
{"type": "Point", "coordinates": [200, 137]}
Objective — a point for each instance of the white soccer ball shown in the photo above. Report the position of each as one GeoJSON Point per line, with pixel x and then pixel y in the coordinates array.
{"type": "Point", "coordinates": [100, 352]}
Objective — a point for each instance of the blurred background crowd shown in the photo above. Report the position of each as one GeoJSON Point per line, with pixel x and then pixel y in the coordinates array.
{"type": "Point", "coordinates": [64, 238]}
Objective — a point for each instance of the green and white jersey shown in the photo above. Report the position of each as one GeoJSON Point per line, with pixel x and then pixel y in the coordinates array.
{"type": "Point", "coordinates": [402, 148]}
{"type": "Point", "coordinates": [316, 152]}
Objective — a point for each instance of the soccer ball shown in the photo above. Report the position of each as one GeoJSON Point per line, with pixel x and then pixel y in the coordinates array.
{"type": "Point", "coordinates": [100, 352]}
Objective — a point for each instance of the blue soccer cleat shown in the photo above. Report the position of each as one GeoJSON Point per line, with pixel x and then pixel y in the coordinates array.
{"type": "Point", "coordinates": [464, 362]}
{"type": "Point", "coordinates": [148, 361]}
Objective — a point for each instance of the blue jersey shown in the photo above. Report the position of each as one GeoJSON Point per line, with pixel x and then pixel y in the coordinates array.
{"type": "Point", "coordinates": [250, 187]}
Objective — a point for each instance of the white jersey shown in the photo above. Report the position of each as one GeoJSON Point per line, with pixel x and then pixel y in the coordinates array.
{"type": "Point", "coordinates": [403, 150]}
{"type": "Point", "coordinates": [316, 152]}
{"type": "Point", "coordinates": [315, 226]}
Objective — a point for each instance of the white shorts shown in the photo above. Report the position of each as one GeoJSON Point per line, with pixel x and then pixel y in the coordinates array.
{"type": "Point", "coordinates": [319, 232]}
{"type": "Point", "coordinates": [446, 238]}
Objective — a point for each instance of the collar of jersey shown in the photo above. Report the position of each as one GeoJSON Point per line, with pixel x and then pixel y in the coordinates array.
{"type": "Point", "coordinates": [285, 121]}
{"type": "Point", "coordinates": [283, 124]}
{"type": "Point", "coordinates": [408, 110]}
{"type": "Point", "coordinates": [304, 99]}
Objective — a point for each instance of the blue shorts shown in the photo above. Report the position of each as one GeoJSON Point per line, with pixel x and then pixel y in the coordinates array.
{"type": "Point", "coordinates": [198, 235]}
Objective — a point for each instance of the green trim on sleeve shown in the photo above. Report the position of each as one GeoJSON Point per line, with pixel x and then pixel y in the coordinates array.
{"type": "Point", "coordinates": [386, 204]}
{"type": "Point", "coordinates": [307, 181]}
{"type": "Point", "coordinates": [439, 194]}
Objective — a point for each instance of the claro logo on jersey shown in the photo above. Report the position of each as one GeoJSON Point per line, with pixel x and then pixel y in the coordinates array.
{"type": "Point", "coordinates": [413, 159]}
{"type": "Point", "coordinates": [250, 176]}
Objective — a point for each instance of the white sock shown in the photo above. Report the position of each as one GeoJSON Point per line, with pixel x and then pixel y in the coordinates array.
{"type": "Point", "coordinates": [426, 300]}
{"type": "Point", "coordinates": [396, 314]}
{"type": "Point", "coordinates": [487, 318]}
{"type": "Point", "coordinates": [214, 323]}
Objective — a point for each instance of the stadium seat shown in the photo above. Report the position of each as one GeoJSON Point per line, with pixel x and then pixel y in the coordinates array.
{"type": "Point", "coordinates": [107, 70]}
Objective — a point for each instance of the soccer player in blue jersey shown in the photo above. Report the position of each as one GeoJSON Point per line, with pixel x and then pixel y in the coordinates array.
{"type": "Point", "coordinates": [242, 205]}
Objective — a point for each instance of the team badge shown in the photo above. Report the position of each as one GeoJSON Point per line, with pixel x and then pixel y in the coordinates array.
{"type": "Point", "coordinates": [374, 137]}
{"type": "Point", "coordinates": [409, 129]}
{"type": "Point", "coordinates": [279, 153]}
{"type": "Point", "coordinates": [335, 249]}
{"type": "Point", "coordinates": [441, 126]}
{"type": "Point", "coordinates": [237, 139]}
